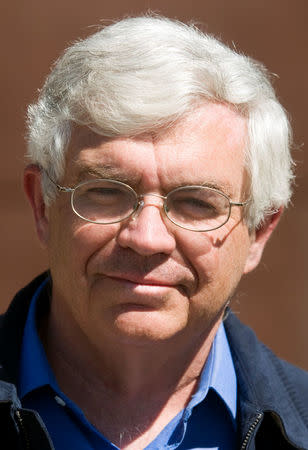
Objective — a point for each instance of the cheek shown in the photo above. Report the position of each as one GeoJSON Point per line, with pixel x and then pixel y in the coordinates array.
{"type": "Point", "coordinates": [200, 253]}
{"type": "Point", "coordinates": [217, 258]}
{"type": "Point", "coordinates": [72, 248]}
{"type": "Point", "coordinates": [90, 238]}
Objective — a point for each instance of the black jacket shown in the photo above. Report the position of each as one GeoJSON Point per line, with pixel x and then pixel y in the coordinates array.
{"type": "Point", "coordinates": [272, 394]}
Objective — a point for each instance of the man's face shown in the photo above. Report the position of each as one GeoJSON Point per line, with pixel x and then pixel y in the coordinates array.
{"type": "Point", "coordinates": [145, 279]}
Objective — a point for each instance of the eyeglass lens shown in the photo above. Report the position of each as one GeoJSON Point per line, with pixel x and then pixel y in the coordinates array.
{"type": "Point", "coordinates": [194, 208]}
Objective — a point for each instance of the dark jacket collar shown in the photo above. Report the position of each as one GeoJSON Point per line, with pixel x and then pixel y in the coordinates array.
{"type": "Point", "coordinates": [12, 325]}
{"type": "Point", "coordinates": [268, 385]}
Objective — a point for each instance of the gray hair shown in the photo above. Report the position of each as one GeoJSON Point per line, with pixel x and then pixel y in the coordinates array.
{"type": "Point", "coordinates": [143, 74]}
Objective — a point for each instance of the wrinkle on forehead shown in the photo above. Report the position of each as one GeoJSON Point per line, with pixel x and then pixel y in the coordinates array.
{"type": "Point", "coordinates": [83, 137]}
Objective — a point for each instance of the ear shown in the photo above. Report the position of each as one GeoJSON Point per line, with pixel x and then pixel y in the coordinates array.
{"type": "Point", "coordinates": [259, 237]}
{"type": "Point", "coordinates": [33, 190]}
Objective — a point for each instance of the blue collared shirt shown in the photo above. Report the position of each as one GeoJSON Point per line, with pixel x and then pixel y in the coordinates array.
{"type": "Point", "coordinates": [208, 421]}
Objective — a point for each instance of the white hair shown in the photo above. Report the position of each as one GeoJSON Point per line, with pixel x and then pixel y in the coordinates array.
{"type": "Point", "coordinates": [143, 74]}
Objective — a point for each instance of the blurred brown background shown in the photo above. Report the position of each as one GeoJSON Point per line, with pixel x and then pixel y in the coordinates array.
{"type": "Point", "coordinates": [273, 299]}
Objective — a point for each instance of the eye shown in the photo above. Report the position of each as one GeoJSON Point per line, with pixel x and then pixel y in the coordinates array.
{"type": "Point", "coordinates": [104, 195]}
{"type": "Point", "coordinates": [104, 191]}
{"type": "Point", "coordinates": [193, 206]}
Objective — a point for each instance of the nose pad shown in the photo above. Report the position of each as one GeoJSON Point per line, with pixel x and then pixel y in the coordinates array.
{"type": "Point", "coordinates": [138, 209]}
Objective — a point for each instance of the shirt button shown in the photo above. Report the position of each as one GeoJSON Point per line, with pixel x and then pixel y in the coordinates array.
{"type": "Point", "coordinates": [60, 401]}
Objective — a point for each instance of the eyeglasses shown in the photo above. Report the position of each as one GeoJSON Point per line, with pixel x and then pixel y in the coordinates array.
{"type": "Point", "coordinates": [195, 208]}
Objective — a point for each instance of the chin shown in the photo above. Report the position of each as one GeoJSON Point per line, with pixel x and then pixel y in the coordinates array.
{"type": "Point", "coordinates": [147, 326]}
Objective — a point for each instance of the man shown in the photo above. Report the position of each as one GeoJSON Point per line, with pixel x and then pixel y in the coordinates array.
{"type": "Point", "coordinates": [159, 167]}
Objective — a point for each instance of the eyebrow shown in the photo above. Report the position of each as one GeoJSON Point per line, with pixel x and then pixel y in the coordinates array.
{"type": "Point", "coordinates": [223, 187]}
{"type": "Point", "coordinates": [106, 171]}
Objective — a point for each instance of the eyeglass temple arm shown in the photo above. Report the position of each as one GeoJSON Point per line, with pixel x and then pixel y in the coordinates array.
{"type": "Point", "coordinates": [58, 186]}
{"type": "Point", "coordinates": [63, 189]}
{"type": "Point", "coordinates": [239, 203]}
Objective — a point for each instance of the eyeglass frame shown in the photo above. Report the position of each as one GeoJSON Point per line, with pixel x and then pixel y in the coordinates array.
{"type": "Point", "coordinates": [140, 202]}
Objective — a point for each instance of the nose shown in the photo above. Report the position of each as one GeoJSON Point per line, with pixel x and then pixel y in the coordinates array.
{"type": "Point", "coordinates": [146, 232]}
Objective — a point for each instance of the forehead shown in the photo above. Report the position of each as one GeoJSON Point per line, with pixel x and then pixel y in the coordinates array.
{"type": "Point", "coordinates": [207, 146]}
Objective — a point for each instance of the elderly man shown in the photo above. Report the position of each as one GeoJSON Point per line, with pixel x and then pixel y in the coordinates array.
{"type": "Point", "coordinates": [159, 167]}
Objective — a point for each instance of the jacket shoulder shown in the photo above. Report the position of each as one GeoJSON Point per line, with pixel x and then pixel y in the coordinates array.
{"type": "Point", "coordinates": [267, 383]}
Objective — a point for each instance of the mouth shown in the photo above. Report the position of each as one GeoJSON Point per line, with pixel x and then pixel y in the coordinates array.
{"type": "Point", "coordinates": [147, 286]}
{"type": "Point", "coordinates": [141, 281]}
{"type": "Point", "coordinates": [136, 294]}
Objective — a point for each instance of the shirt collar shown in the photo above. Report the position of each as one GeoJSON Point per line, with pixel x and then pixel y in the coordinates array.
{"type": "Point", "coordinates": [224, 380]}
{"type": "Point", "coordinates": [218, 373]}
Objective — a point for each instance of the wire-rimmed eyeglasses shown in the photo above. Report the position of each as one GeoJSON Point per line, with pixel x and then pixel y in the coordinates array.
{"type": "Point", "coordinates": [105, 201]}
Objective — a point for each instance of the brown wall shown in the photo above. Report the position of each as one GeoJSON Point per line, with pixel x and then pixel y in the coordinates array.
{"type": "Point", "coordinates": [273, 299]}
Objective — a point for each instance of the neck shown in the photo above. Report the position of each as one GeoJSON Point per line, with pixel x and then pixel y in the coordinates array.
{"type": "Point", "coordinates": [127, 369]}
